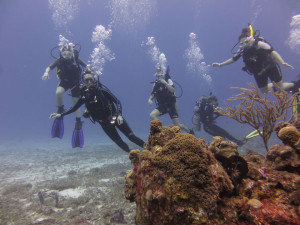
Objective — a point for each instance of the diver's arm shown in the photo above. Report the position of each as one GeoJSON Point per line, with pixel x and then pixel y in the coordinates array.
{"type": "Point", "coordinates": [231, 60]}
{"type": "Point", "coordinates": [227, 62]}
{"type": "Point", "coordinates": [216, 115]}
{"type": "Point", "coordinates": [278, 59]}
{"type": "Point", "coordinates": [48, 69]}
{"type": "Point", "coordinates": [82, 63]}
{"type": "Point", "coordinates": [79, 103]}
{"type": "Point", "coordinates": [151, 97]}
{"type": "Point", "coordinates": [150, 102]}
{"type": "Point", "coordinates": [46, 74]}
{"type": "Point", "coordinates": [168, 84]}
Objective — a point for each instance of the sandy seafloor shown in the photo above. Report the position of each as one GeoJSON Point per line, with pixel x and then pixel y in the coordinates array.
{"type": "Point", "coordinates": [79, 186]}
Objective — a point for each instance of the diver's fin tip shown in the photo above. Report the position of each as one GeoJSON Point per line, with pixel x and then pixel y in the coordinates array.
{"type": "Point", "coordinates": [57, 128]}
{"type": "Point", "coordinates": [77, 138]}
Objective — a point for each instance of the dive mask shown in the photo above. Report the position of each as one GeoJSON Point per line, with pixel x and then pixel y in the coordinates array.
{"type": "Point", "coordinates": [159, 73]}
{"type": "Point", "coordinates": [89, 80]}
{"type": "Point", "coordinates": [66, 54]}
{"type": "Point", "coordinates": [245, 42]}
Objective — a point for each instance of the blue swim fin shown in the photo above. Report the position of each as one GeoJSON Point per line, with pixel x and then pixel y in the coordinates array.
{"type": "Point", "coordinates": [58, 128]}
{"type": "Point", "coordinates": [77, 137]}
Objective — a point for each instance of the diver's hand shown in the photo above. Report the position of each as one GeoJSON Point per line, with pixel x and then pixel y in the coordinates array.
{"type": "Point", "coordinates": [120, 119]}
{"type": "Point", "coordinates": [150, 102]}
{"type": "Point", "coordinates": [55, 116]}
{"type": "Point", "coordinates": [287, 65]}
{"type": "Point", "coordinates": [215, 64]}
{"type": "Point", "coordinates": [45, 76]}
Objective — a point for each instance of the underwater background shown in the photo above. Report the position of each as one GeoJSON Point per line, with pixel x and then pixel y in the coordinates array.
{"type": "Point", "coordinates": [29, 29]}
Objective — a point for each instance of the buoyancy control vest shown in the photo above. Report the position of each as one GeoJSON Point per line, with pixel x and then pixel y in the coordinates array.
{"type": "Point", "coordinates": [257, 59]}
{"type": "Point", "coordinates": [162, 94]}
{"type": "Point", "coordinates": [69, 69]}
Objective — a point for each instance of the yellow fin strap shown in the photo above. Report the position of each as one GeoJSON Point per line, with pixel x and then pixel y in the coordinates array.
{"type": "Point", "coordinates": [253, 134]}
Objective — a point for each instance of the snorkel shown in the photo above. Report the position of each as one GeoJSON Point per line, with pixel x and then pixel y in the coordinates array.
{"type": "Point", "coordinates": [251, 29]}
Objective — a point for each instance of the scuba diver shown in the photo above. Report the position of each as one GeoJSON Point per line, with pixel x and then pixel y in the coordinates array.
{"type": "Point", "coordinates": [102, 107]}
{"type": "Point", "coordinates": [260, 59]}
{"type": "Point", "coordinates": [204, 113]}
{"type": "Point", "coordinates": [164, 93]}
{"type": "Point", "coordinates": [68, 67]}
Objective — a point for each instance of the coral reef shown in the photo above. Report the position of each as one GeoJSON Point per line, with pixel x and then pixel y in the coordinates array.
{"type": "Point", "coordinates": [179, 179]}
{"type": "Point", "coordinates": [289, 133]}
{"type": "Point", "coordinates": [226, 152]}
{"type": "Point", "coordinates": [259, 112]}
{"type": "Point", "coordinates": [286, 157]}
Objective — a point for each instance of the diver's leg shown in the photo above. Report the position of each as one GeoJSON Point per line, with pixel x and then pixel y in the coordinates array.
{"type": "Point", "coordinates": [173, 112]}
{"type": "Point", "coordinates": [283, 85]}
{"type": "Point", "coordinates": [286, 86]}
{"type": "Point", "coordinates": [218, 131]}
{"type": "Point", "coordinates": [182, 126]}
{"type": "Point", "coordinates": [77, 112]}
{"type": "Point", "coordinates": [126, 130]}
{"type": "Point", "coordinates": [113, 134]}
{"type": "Point", "coordinates": [75, 97]}
{"type": "Point", "coordinates": [176, 106]}
{"type": "Point", "coordinates": [292, 86]}
{"type": "Point", "coordinates": [262, 82]}
{"type": "Point", "coordinates": [196, 122]}
{"type": "Point", "coordinates": [264, 90]}
{"type": "Point", "coordinates": [58, 124]}
{"type": "Point", "coordinates": [276, 76]}
{"type": "Point", "coordinates": [59, 95]}
{"type": "Point", "coordinates": [208, 129]}
{"type": "Point", "coordinates": [154, 114]}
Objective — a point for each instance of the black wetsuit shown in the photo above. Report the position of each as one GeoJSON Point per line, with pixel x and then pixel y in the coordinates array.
{"type": "Point", "coordinates": [69, 73]}
{"type": "Point", "coordinates": [258, 61]}
{"type": "Point", "coordinates": [103, 107]}
{"type": "Point", "coordinates": [166, 100]}
{"type": "Point", "coordinates": [205, 114]}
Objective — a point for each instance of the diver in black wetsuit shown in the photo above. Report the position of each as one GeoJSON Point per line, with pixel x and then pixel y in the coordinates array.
{"type": "Point", "coordinates": [103, 107]}
{"type": "Point", "coordinates": [204, 113]}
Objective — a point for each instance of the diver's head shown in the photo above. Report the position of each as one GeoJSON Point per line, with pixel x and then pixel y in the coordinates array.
{"type": "Point", "coordinates": [89, 79]}
{"type": "Point", "coordinates": [245, 33]}
{"type": "Point", "coordinates": [202, 99]}
{"type": "Point", "coordinates": [245, 38]}
{"type": "Point", "coordinates": [213, 100]}
{"type": "Point", "coordinates": [160, 72]}
{"type": "Point", "coordinates": [67, 52]}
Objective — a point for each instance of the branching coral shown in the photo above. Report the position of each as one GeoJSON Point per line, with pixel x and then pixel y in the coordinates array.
{"type": "Point", "coordinates": [259, 112]}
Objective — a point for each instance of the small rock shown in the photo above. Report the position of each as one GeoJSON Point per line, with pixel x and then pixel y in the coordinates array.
{"type": "Point", "coordinates": [254, 203]}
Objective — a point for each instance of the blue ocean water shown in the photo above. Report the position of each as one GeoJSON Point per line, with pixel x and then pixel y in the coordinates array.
{"type": "Point", "coordinates": [29, 29]}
